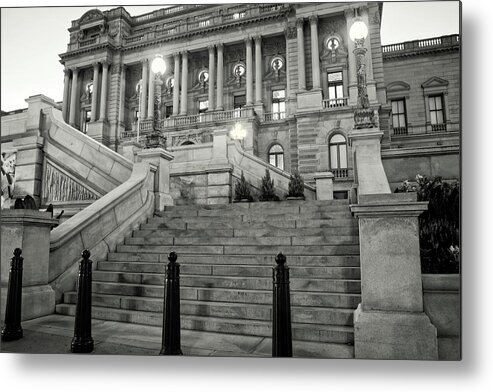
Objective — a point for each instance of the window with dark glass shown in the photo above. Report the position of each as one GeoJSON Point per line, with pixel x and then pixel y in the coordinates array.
{"type": "Point", "coordinates": [278, 104]}
{"type": "Point", "coordinates": [239, 101]}
{"type": "Point", "coordinates": [168, 111]}
{"type": "Point", "coordinates": [87, 118]}
{"type": "Point", "coordinates": [436, 111]}
{"type": "Point", "coordinates": [399, 116]}
{"type": "Point", "coordinates": [338, 152]}
{"type": "Point", "coordinates": [335, 84]}
{"type": "Point", "coordinates": [276, 156]}
{"type": "Point", "coordinates": [203, 106]}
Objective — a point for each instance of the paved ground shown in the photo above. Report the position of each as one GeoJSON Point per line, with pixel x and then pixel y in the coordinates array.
{"type": "Point", "coordinates": [53, 335]}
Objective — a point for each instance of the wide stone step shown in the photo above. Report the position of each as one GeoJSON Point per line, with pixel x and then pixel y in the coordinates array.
{"type": "Point", "coordinates": [254, 260]}
{"type": "Point", "coordinates": [247, 232]}
{"type": "Point", "coordinates": [196, 223]}
{"type": "Point", "coordinates": [313, 315]}
{"type": "Point", "coordinates": [228, 282]}
{"type": "Point", "coordinates": [231, 270]}
{"type": "Point", "coordinates": [278, 213]}
{"type": "Point", "coordinates": [300, 331]}
{"type": "Point", "coordinates": [298, 298]}
{"type": "Point", "coordinates": [274, 241]}
{"type": "Point", "coordinates": [287, 250]}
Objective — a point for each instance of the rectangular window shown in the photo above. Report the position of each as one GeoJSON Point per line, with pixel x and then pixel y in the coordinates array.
{"type": "Point", "coordinates": [87, 118]}
{"type": "Point", "coordinates": [203, 106]}
{"type": "Point", "coordinates": [238, 102]}
{"type": "Point", "coordinates": [436, 109]}
{"type": "Point", "coordinates": [399, 117]}
{"type": "Point", "coordinates": [168, 111]}
{"type": "Point", "coordinates": [336, 91]}
{"type": "Point", "coordinates": [278, 104]}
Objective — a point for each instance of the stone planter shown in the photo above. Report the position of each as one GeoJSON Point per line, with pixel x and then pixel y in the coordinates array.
{"type": "Point", "coordinates": [441, 301]}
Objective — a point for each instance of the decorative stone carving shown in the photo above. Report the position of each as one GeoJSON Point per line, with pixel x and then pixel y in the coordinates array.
{"type": "Point", "coordinates": [195, 138]}
{"type": "Point", "coordinates": [57, 186]}
{"type": "Point", "coordinates": [290, 32]}
{"type": "Point", "coordinates": [7, 178]}
{"type": "Point", "coordinates": [91, 16]}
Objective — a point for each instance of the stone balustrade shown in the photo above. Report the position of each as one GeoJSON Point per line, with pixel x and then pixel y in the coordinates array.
{"type": "Point", "coordinates": [335, 103]}
{"type": "Point", "coordinates": [423, 44]}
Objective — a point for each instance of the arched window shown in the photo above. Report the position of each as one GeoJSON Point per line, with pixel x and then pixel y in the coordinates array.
{"type": "Point", "coordinates": [338, 152]}
{"type": "Point", "coordinates": [276, 156]}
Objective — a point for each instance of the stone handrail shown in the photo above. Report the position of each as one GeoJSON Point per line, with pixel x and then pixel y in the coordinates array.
{"type": "Point", "coordinates": [100, 227]}
{"type": "Point", "coordinates": [254, 169]}
{"type": "Point", "coordinates": [82, 158]}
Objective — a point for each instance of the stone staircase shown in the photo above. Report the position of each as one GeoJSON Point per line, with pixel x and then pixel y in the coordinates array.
{"type": "Point", "coordinates": [226, 253]}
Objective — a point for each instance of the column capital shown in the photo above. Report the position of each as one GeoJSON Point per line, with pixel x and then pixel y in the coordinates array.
{"type": "Point", "coordinates": [248, 40]}
{"type": "Point", "coordinates": [313, 19]}
{"type": "Point", "coordinates": [176, 55]}
{"type": "Point", "coordinates": [105, 63]}
{"type": "Point", "coordinates": [220, 46]}
{"type": "Point", "coordinates": [258, 39]}
{"type": "Point", "coordinates": [144, 61]}
{"type": "Point", "coordinates": [66, 71]}
{"type": "Point", "coordinates": [95, 64]}
{"type": "Point", "coordinates": [74, 69]}
{"type": "Point", "coordinates": [184, 53]}
{"type": "Point", "coordinates": [349, 12]}
{"type": "Point", "coordinates": [300, 22]}
{"type": "Point", "coordinates": [211, 47]}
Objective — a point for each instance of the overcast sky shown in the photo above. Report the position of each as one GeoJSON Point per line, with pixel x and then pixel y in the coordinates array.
{"type": "Point", "coordinates": [32, 39]}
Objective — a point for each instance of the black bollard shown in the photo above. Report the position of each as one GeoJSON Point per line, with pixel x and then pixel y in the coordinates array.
{"type": "Point", "coordinates": [82, 341]}
{"type": "Point", "coordinates": [171, 315]}
{"type": "Point", "coordinates": [12, 329]}
{"type": "Point", "coordinates": [282, 345]}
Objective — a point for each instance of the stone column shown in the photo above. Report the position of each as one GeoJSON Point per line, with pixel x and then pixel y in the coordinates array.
{"type": "Point", "coordinates": [143, 90]}
{"type": "Point", "coordinates": [220, 70]}
{"type": "Point", "coordinates": [66, 93]}
{"type": "Point", "coordinates": [249, 71]}
{"type": "Point", "coordinates": [184, 84]}
{"type": "Point", "coordinates": [315, 54]}
{"type": "Point", "coordinates": [176, 87]}
{"type": "Point", "coordinates": [161, 159]}
{"type": "Point", "coordinates": [74, 95]}
{"type": "Point", "coordinates": [301, 55]}
{"type": "Point", "coordinates": [30, 231]}
{"type": "Point", "coordinates": [95, 92]}
{"type": "Point", "coordinates": [212, 76]}
{"type": "Point", "coordinates": [150, 95]}
{"type": "Point", "coordinates": [390, 323]}
{"type": "Point", "coordinates": [258, 69]}
{"type": "Point", "coordinates": [324, 182]}
{"type": "Point", "coordinates": [104, 92]}
{"type": "Point", "coordinates": [121, 109]}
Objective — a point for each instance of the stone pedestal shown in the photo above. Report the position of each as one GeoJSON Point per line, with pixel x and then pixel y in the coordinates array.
{"type": "Point", "coordinates": [325, 185]}
{"type": "Point", "coordinates": [309, 100]}
{"type": "Point", "coordinates": [99, 131]}
{"type": "Point", "coordinates": [220, 147]}
{"type": "Point", "coordinates": [369, 174]}
{"type": "Point", "coordinates": [30, 231]}
{"type": "Point", "coordinates": [130, 149]}
{"type": "Point", "coordinates": [161, 159]}
{"type": "Point", "coordinates": [390, 322]}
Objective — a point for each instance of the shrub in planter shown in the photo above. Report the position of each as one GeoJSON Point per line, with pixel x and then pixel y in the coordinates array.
{"type": "Point", "coordinates": [242, 190]}
{"type": "Point", "coordinates": [439, 226]}
{"type": "Point", "coordinates": [296, 187]}
{"type": "Point", "coordinates": [267, 188]}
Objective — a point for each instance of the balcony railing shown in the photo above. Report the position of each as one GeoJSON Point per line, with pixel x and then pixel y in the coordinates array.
{"type": "Point", "coordinates": [400, 130]}
{"type": "Point", "coordinates": [340, 173]}
{"type": "Point", "coordinates": [335, 103]}
{"type": "Point", "coordinates": [423, 44]}
{"type": "Point", "coordinates": [206, 20]}
{"type": "Point", "coordinates": [276, 116]}
{"type": "Point", "coordinates": [438, 127]}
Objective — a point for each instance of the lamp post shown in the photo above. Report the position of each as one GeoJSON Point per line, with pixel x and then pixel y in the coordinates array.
{"type": "Point", "coordinates": [363, 116]}
{"type": "Point", "coordinates": [155, 138]}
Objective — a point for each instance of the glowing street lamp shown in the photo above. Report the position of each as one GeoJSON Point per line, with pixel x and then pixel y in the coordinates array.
{"type": "Point", "coordinates": [158, 68]}
{"type": "Point", "coordinates": [363, 116]}
{"type": "Point", "coordinates": [238, 132]}
{"type": "Point", "coordinates": [158, 65]}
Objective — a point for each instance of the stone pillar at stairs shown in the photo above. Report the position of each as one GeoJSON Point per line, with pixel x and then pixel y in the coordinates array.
{"type": "Point", "coordinates": [160, 159]}
{"type": "Point", "coordinates": [30, 231]}
{"type": "Point", "coordinates": [325, 185]}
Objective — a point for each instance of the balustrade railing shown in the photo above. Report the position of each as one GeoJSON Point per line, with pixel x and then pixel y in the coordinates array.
{"type": "Point", "coordinates": [436, 42]}
{"type": "Point", "coordinates": [340, 173]}
{"type": "Point", "coordinates": [276, 116]}
{"type": "Point", "coordinates": [400, 130]}
{"type": "Point", "coordinates": [335, 103]}
{"type": "Point", "coordinates": [438, 127]}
